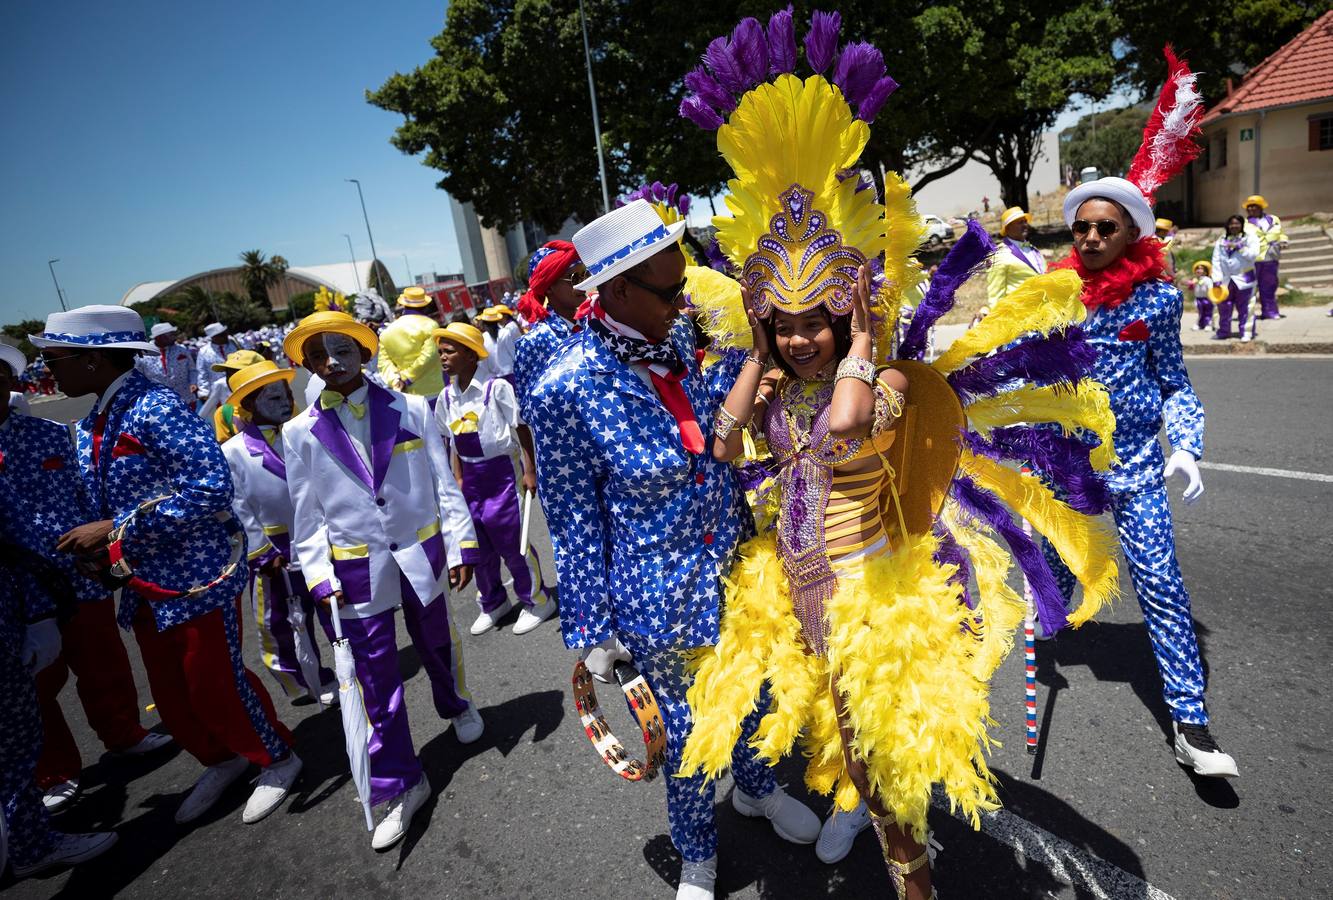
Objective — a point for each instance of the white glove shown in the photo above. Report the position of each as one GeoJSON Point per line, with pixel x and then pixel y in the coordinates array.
{"type": "Point", "coordinates": [41, 645]}
{"type": "Point", "coordinates": [601, 660]}
{"type": "Point", "coordinates": [1183, 461]}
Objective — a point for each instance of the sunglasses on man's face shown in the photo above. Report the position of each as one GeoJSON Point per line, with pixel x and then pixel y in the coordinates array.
{"type": "Point", "coordinates": [48, 358]}
{"type": "Point", "coordinates": [1105, 227]}
{"type": "Point", "coordinates": [666, 295]}
{"type": "Point", "coordinates": [575, 276]}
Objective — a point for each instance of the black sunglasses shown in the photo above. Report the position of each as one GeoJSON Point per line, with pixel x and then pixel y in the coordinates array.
{"type": "Point", "coordinates": [1105, 227]}
{"type": "Point", "coordinates": [575, 276]}
{"type": "Point", "coordinates": [666, 295]}
{"type": "Point", "coordinates": [48, 358]}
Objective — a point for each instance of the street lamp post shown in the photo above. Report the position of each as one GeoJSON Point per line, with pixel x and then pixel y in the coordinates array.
{"type": "Point", "coordinates": [409, 268]}
{"type": "Point", "coordinates": [596, 124]}
{"type": "Point", "coordinates": [352, 253]}
{"type": "Point", "coordinates": [374, 255]}
{"type": "Point", "coordinates": [60, 295]}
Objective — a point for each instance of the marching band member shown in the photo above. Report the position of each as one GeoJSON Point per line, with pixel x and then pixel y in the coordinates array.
{"type": "Point", "coordinates": [407, 360]}
{"type": "Point", "coordinates": [1234, 254]}
{"type": "Point", "coordinates": [479, 422]}
{"type": "Point", "coordinates": [41, 498]}
{"type": "Point", "coordinates": [1272, 239]}
{"type": "Point", "coordinates": [161, 487]}
{"type": "Point", "coordinates": [1015, 260]}
{"type": "Point", "coordinates": [264, 506]}
{"type": "Point", "coordinates": [206, 373]}
{"type": "Point", "coordinates": [226, 416]}
{"type": "Point", "coordinates": [379, 523]}
{"type": "Point", "coordinates": [172, 365]}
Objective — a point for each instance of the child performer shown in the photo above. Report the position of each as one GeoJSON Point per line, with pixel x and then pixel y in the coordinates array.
{"type": "Point", "coordinates": [1234, 254]}
{"type": "Point", "coordinates": [378, 519]}
{"type": "Point", "coordinates": [263, 505]}
{"type": "Point", "coordinates": [479, 421]}
{"type": "Point", "coordinates": [1200, 284]}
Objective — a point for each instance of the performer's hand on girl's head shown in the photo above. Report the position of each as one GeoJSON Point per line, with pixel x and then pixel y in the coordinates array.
{"type": "Point", "coordinates": [459, 576]}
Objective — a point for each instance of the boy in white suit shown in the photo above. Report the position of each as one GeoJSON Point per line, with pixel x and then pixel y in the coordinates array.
{"type": "Point", "coordinates": [379, 522]}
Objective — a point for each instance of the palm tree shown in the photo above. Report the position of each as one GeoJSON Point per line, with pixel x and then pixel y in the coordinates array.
{"type": "Point", "coordinates": [258, 274]}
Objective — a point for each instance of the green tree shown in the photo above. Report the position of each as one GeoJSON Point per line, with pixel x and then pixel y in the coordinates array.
{"type": "Point", "coordinates": [1107, 140]}
{"type": "Point", "coordinates": [259, 273]}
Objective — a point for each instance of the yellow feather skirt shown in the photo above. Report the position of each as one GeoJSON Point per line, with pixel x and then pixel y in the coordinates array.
{"type": "Point", "coordinates": [911, 671]}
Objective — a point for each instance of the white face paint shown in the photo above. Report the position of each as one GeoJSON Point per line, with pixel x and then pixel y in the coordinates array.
{"type": "Point", "coordinates": [343, 358]}
{"type": "Point", "coordinates": [273, 403]}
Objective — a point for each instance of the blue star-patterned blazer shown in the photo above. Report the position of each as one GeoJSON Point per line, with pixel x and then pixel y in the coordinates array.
{"type": "Point", "coordinates": [42, 495]}
{"type": "Point", "coordinates": [533, 352]}
{"type": "Point", "coordinates": [642, 529]}
{"type": "Point", "coordinates": [154, 446]}
{"type": "Point", "coordinates": [1140, 360]}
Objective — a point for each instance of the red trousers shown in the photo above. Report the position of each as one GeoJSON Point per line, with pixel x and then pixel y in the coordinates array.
{"type": "Point", "coordinates": [91, 648]}
{"type": "Point", "coordinates": [213, 706]}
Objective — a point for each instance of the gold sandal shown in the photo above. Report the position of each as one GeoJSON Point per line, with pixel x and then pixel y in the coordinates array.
{"type": "Point", "coordinates": [898, 870]}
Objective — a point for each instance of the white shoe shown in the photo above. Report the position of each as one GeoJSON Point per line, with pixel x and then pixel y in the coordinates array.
{"type": "Point", "coordinates": [328, 694]}
{"type": "Point", "coordinates": [209, 788]}
{"type": "Point", "coordinates": [1245, 338]}
{"type": "Point", "coordinates": [697, 879]}
{"type": "Point", "coordinates": [792, 819]}
{"type": "Point", "coordinates": [488, 620]}
{"type": "Point", "coordinates": [60, 796]}
{"type": "Point", "coordinates": [1196, 748]}
{"type": "Point", "coordinates": [468, 725]}
{"type": "Point", "coordinates": [69, 850]}
{"type": "Point", "coordinates": [273, 786]}
{"type": "Point", "coordinates": [529, 619]}
{"type": "Point", "coordinates": [151, 741]}
{"type": "Point", "coordinates": [839, 833]}
{"type": "Point", "coordinates": [402, 808]}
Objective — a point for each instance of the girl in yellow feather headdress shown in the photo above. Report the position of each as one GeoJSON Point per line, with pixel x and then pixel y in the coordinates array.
{"type": "Point", "coordinates": [855, 607]}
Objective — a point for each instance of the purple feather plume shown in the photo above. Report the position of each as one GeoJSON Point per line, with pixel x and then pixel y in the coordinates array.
{"type": "Point", "coordinates": [821, 41]}
{"type": "Point", "coordinates": [1064, 461]}
{"type": "Point", "coordinates": [860, 66]}
{"type": "Point", "coordinates": [683, 204]}
{"type": "Point", "coordinates": [1050, 602]}
{"type": "Point", "coordinates": [717, 260]}
{"type": "Point", "coordinates": [875, 98]}
{"type": "Point", "coordinates": [724, 66]}
{"type": "Point", "coordinates": [1062, 357]}
{"type": "Point", "coordinates": [700, 113]}
{"type": "Point", "coordinates": [781, 42]}
{"type": "Point", "coordinates": [750, 50]}
{"type": "Point", "coordinates": [973, 249]}
{"type": "Point", "coordinates": [706, 86]}
{"type": "Point", "coordinates": [951, 553]}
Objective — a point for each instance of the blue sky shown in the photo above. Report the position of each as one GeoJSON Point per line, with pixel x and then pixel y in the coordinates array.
{"type": "Point", "coordinates": [148, 140]}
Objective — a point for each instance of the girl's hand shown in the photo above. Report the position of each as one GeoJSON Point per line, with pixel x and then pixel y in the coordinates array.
{"type": "Point", "coordinates": [757, 332]}
{"type": "Point", "coordinates": [861, 302]}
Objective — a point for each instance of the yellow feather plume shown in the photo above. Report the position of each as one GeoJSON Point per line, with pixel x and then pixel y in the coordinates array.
{"type": "Point", "coordinates": [1041, 304]}
{"type": "Point", "coordinates": [1086, 406]}
{"type": "Point", "coordinates": [903, 229]}
{"type": "Point", "coordinates": [999, 608]}
{"type": "Point", "coordinates": [715, 300]}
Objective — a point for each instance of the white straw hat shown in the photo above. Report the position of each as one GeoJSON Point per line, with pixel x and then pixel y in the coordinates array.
{"type": "Point", "coordinates": [162, 328]}
{"type": "Point", "coordinates": [14, 358]}
{"type": "Point", "coordinates": [622, 239]}
{"type": "Point", "coordinates": [1119, 190]}
{"type": "Point", "coordinates": [94, 327]}
{"type": "Point", "coordinates": [213, 329]}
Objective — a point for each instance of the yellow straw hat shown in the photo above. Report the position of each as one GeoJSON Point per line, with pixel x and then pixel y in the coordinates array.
{"type": "Point", "coordinates": [489, 314]}
{"type": "Point", "coordinates": [1012, 215]}
{"type": "Point", "coordinates": [414, 298]}
{"type": "Point", "coordinates": [252, 378]}
{"type": "Point", "coordinates": [1256, 200]}
{"type": "Point", "coordinates": [464, 335]}
{"type": "Point", "coordinates": [237, 360]}
{"type": "Point", "coordinates": [1204, 264]}
{"type": "Point", "coordinates": [330, 321]}
{"type": "Point", "coordinates": [1165, 224]}
{"type": "Point", "coordinates": [1217, 293]}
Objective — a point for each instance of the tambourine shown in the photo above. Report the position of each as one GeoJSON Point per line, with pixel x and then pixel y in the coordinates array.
{"type": "Point", "coordinates": [642, 704]}
{"type": "Point", "coordinates": [123, 572]}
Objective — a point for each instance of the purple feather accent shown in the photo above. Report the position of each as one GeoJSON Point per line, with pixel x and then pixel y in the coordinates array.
{"type": "Point", "coordinates": [750, 51]}
{"type": "Point", "coordinates": [821, 41]}
{"type": "Point", "coordinates": [875, 98]}
{"type": "Point", "coordinates": [1046, 594]}
{"type": "Point", "coordinates": [781, 42]}
{"type": "Point", "coordinates": [752, 475]}
{"type": "Point", "coordinates": [717, 260]}
{"type": "Point", "coordinates": [1062, 357]}
{"type": "Point", "coordinates": [951, 553]}
{"type": "Point", "coordinates": [724, 66]}
{"type": "Point", "coordinates": [700, 113]}
{"type": "Point", "coordinates": [1066, 461]}
{"type": "Point", "coordinates": [683, 204]}
{"type": "Point", "coordinates": [860, 66]}
{"type": "Point", "coordinates": [973, 249]}
{"type": "Point", "coordinates": [706, 86]}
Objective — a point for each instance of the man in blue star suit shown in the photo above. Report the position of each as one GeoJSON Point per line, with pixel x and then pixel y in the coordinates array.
{"type": "Point", "coordinates": [1134, 323]}
{"type": "Point", "coordinates": [643, 520]}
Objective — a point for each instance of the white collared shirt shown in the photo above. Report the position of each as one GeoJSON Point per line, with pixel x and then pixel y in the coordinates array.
{"type": "Point", "coordinates": [357, 429]}
{"type": "Point", "coordinates": [496, 418]}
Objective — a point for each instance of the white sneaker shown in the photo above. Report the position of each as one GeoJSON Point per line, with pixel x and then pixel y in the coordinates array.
{"type": "Point", "coordinates": [1196, 748]}
{"type": "Point", "coordinates": [697, 879]}
{"type": "Point", "coordinates": [274, 783]}
{"type": "Point", "coordinates": [839, 833]}
{"type": "Point", "coordinates": [69, 850]}
{"type": "Point", "coordinates": [792, 819]}
{"type": "Point", "coordinates": [328, 694]}
{"type": "Point", "coordinates": [529, 619]}
{"type": "Point", "coordinates": [151, 741]}
{"type": "Point", "coordinates": [401, 810]}
{"type": "Point", "coordinates": [1245, 338]}
{"type": "Point", "coordinates": [59, 796]}
{"type": "Point", "coordinates": [468, 725]}
{"type": "Point", "coordinates": [488, 620]}
{"type": "Point", "coordinates": [209, 788]}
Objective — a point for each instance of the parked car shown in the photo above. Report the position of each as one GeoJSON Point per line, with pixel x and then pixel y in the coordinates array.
{"type": "Point", "coordinates": [938, 232]}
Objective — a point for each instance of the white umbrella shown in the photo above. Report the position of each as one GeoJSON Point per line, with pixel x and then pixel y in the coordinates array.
{"type": "Point", "coordinates": [356, 728]}
{"type": "Point", "coordinates": [527, 522]}
{"type": "Point", "coordinates": [305, 650]}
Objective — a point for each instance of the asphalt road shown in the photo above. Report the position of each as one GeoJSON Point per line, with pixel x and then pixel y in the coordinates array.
{"type": "Point", "coordinates": [529, 811]}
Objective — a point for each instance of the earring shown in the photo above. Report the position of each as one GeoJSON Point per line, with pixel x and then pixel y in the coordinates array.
{"type": "Point", "coordinates": [92, 368]}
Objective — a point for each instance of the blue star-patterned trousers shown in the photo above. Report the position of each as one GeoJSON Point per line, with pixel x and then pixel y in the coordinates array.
{"type": "Point", "coordinates": [1143, 519]}
{"type": "Point", "coordinates": [30, 837]}
{"type": "Point", "coordinates": [690, 800]}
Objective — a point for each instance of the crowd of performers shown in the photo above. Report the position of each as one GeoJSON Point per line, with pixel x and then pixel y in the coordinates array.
{"type": "Point", "coordinates": [759, 495]}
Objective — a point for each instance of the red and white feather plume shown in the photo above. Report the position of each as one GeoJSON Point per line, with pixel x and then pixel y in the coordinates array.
{"type": "Point", "coordinates": [1168, 138]}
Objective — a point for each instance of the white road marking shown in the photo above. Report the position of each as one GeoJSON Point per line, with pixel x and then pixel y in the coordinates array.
{"type": "Point", "coordinates": [1262, 470]}
{"type": "Point", "coordinates": [1070, 864]}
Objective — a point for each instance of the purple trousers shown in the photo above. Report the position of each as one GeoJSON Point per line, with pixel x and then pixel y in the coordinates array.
{"type": "Point", "coordinates": [1205, 308]}
{"type": "Point", "coordinates": [394, 766]}
{"type": "Point", "coordinates": [1266, 272]}
{"type": "Point", "coordinates": [1239, 300]}
{"type": "Point", "coordinates": [492, 498]}
{"type": "Point", "coordinates": [273, 599]}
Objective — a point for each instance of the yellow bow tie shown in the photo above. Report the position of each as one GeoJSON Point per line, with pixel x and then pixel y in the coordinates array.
{"type": "Point", "coordinates": [333, 399]}
{"type": "Point", "coordinates": [466, 424]}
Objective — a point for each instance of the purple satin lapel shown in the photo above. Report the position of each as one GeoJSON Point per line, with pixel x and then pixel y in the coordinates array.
{"type": "Point", "coordinates": [1018, 251]}
{"type": "Point", "coordinates": [333, 436]}
{"type": "Point", "coordinates": [383, 431]}
{"type": "Point", "coordinates": [255, 443]}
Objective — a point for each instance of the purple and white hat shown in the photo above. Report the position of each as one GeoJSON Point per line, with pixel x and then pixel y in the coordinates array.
{"type": "Point", "coordinates": [94, 328]}
{"type": "Point", "coordinates": [620, 240]}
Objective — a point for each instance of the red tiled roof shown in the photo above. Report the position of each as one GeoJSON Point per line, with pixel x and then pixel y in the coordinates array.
{"type": "Point", "coordinates": [1300, 72]}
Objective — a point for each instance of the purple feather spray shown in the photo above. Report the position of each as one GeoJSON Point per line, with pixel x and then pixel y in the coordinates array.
{"type": "Point", "coordinates": [1065, 461]}
{"type": "Point", "coordinates": [874, 100]}
{"type": "Point", "coordinates": [1062, 357]}
{"type": "Point", "coordinates": [781, 42]}
{"type": "Point", "coordinates": [860, 66]}
{"type": "Point", "coordinates": [750, 50]}
{"type": "Point", "coordinates": [971, 252]}
{"type": "Point", "coordinates": [725, 68]}
{"type": "Point", "coordinates": [700, 113]}
{"type": "Point", "coordinates": [821, 41]}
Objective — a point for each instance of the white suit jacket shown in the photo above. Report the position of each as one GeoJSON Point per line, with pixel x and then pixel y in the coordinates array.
{"type": "Point", "coordinates": [261, 501]}
{"type": "Point", "coordinates": [364, 528]}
